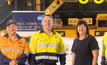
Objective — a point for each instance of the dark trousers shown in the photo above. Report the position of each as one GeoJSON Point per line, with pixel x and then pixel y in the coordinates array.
{"type": "Point", "coordinates": [45, 64]}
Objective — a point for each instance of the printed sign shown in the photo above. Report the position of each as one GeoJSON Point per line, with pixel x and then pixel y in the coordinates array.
{"type": "Point", "coordinates": [28, 21]}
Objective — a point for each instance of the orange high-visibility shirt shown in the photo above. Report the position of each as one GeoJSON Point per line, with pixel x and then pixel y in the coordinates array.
{"type": "Point", "coordinates": [15, 49]}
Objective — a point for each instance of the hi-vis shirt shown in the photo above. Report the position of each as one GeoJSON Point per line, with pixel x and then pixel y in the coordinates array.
{"type": "Point", "coordinates": [17, 50]}
{"type": "Point", "coordinates": [104, 46]}
{"type": "Point", "coordinates": [46, 48]}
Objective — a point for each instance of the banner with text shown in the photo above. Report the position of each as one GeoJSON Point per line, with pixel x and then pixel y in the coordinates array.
{"type": "Point", "coordinates": [28, 20]}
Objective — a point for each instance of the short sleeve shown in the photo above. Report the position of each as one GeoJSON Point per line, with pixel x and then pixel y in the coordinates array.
{"type": "Point", "coordinates": [61, 49]}
{"type": "Point", "coordinates": [93, 44]}
{"type": "Point", "coordinates": [72, 49]}
{"type": "Point", "coordinates": [32, 45]}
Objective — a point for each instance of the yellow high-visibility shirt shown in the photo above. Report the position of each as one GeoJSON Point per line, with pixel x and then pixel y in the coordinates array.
{"type": "Point", "coordinates": [104, 46]}
{"type": "Point", "coordinates": [46, 47]}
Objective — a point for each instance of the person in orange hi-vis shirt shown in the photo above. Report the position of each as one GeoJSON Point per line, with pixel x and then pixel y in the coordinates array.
{"type": "Point", "coordinates": [13, 48]}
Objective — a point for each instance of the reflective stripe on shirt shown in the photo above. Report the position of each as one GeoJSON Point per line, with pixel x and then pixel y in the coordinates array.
{"type": "Point", "coordinates": [11, 50]}
{"type": "Point", "coordinates": [46, 57]}
{"type": "Point", "coordinates": [47, 45]}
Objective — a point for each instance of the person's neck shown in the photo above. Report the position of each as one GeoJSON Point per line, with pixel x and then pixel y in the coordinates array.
{"type": "Point", "coordinates": [82, 36]}
{"type": "Point", "coordinates": [47, 31]}
{"type": "Point", "coordinates": [13, 37]}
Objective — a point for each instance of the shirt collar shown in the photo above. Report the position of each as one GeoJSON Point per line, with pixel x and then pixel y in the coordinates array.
{"type": "Point", "coordinates": [19, 37]}
{"type": "Point", "coordinates": [41, 31]}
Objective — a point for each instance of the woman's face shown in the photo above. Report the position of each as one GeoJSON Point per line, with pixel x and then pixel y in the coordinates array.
{"type": "Point", "coordinates": [81, 29]}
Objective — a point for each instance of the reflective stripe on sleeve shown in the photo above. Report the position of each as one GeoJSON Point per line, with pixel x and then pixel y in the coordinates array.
{"type": "Point", "coordinates": [105, 46]}
{"type": "Point", "coordinates": [46, 57]}
{"type": "Point", "coordinates": [103, 54]}
{"type": "Point", "coordinates": [106, 57]}
{"type": "Point", "coordinates": [62, 52]}
{"type": "Point", "coordinates": [32, 52]}
{"type": "Point", "coordinates": [26, 53]}
{"type": "Point", "coordinates": [47, 45]}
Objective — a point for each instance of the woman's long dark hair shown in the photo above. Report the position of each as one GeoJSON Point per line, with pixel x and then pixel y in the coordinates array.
{"type": "Point", "coordinates": [80, 23]}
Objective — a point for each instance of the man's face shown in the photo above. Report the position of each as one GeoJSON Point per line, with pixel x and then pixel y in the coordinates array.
{"type": "Point", "coordinates": [47, 22]}
{"type": "Point", "coordinates": [11, 29]}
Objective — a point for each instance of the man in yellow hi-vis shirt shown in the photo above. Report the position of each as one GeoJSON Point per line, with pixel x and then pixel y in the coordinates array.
{"type": "Point", "coordinates": [46, 45]}
{"type": "Point", "coordinates": [104, 50]}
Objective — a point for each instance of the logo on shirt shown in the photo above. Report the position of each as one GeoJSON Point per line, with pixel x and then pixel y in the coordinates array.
{"type": "Point", "coordinates": [6, 45]}
{"type": "Point", "coordinates": [20, 42]}
{"type": "Point", "coordinates": [56, 36]}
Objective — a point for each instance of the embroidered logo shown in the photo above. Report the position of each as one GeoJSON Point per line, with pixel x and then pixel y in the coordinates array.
{"type": "Point", "coordinates": [56, 36]}
{"type": "Point", "coordinates": [10, 21]}
{"type": "Point", "coordinates": [20, 42]}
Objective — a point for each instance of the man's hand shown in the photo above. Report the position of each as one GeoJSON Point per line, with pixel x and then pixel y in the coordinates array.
{"type": "Point", "coordinates": [13, 62]}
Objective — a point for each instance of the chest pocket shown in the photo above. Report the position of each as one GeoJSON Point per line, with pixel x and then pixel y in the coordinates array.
{"type": "Point", "coordinates": [41, 41]}
{"type": "Point", "coordinates": [56, 41]}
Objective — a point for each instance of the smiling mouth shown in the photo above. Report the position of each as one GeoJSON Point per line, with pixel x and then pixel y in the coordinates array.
{"type": "Point", "coordinates": [11, 30]}
{"type": "Point", "coordinates": [47, 26]}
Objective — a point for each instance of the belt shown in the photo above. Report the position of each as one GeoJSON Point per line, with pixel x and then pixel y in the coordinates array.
{"type": "Point", "coordinates": [44, 64]}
